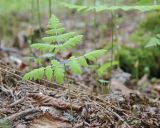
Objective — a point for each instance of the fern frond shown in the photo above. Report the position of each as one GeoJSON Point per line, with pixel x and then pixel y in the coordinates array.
{"type": "Point", "coordinates": [154, 42]}
{"type": "Point", "coordinates": [100, 8]}
{"type": "Point", "coordinates": [70, 43]}
{"type": "Point", "coordinates": [49, 39]}
{"type": "Point", "coordinates": [105, 66]}
{"type": "Point", "coordinates": [58, 69]}
{"type": "Point", "coordinates": [58, 38]}
{"type": "Point", "coordinates": [94, 54]}
{"type": "Point", "coordinates": [54, 23]}
{"type": "Point", "coordinates": [65, 37]}
{"type": "Point", "coordinates": [74, 65]}
{"type": "Point", "coordinates": [73, 6]}
{"type": "Point", "coordinates": [82, 61]}
{"type": "Point", "coordinates": [43, 47]}
{"type": "Point", "coordinates": [55, 31]}
{"type": "Point", "coordinates": [49, 72]}
{"type": "Point", "coordinates": [35, 74]}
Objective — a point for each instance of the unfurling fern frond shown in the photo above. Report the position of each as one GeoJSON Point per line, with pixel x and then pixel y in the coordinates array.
{"type": "Point", "coordinates": [154, 42]}
{"type": "Point", "coordinates": [62, 41]}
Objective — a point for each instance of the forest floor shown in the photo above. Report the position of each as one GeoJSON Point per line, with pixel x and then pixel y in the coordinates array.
{"type": "Point", "coordinates": [28, 104]}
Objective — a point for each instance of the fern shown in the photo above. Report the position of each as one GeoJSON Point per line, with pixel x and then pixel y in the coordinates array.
{"type": "Point", "coordinates": [94, 54]}
{"type": "Point", "coordinates": [100, 8]}
{"type": "Point", "coordinates": [58, 70]}
{"type": "Point", "coordinates": [101, 70]}
{"type": "Point", "coordinates": [74, 65]}
{"type": "Point", "coordinates": [154, 42]}
{"type": "Point", "coordinates": [43, 47]}
{"type": "Point", "coordinates": [56, 41]}
{"type": "Point", "coordinates": [49, 72]}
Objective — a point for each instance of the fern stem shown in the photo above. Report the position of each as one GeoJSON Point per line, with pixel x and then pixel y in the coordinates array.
{"type": "Point", "coordinates": [39, 17]}
{"type": "Point", "coordinates": [69, 93]}
{"type": "Point", "coordinates": [112, 41]}
{"type": "Point", "coordinates": [50, 8]}
{"type": "Point", "coordinates": [94, 22]}
{"type": "Point", "coordinates": [31, 33]}
{"type": "Point", "coordinates": [70, 100]}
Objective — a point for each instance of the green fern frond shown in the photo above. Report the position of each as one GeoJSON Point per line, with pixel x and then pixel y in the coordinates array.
{"type": "Point", "coordinates": [43, 47]}
{"type": "Point", "coordinates": [154, 42]}
{"type": "Point", "coordinates": [73, 6]}
{"type": "Point", "coordinates": [82, 61]}
{"type": "Point", "coordinates": [55, 31]}
{"type": "Point", "coordinates": [70, 43]}
{"type": "Point", "coordinates": [100, 8]}
{"type": "Point", "coordinates": [35, 74]}
{"type": "Point", "coordinates": [49, 72]}
{"type": "Point", "coordinates": [94, 54]}
{"type": "Point", "coordinates": [58, 69]}
{"type": "Point", "coordinates": [49, 39]}
{"type": "Point", "coordinates": [74, 65]}
{"type": "Point", "coordinates": [65, 37]}
{"type": "Point", "coordinates": [58, 38]}
{"type": "Point", "coordinates": [59, 75]}
{"type": "Point", "coordinates": [106, 66]}
{"type": "Point", "coordinates": [54, 23]}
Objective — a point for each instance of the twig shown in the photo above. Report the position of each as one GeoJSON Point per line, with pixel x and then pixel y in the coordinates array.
{"type": "Point", "coordinates": [17, 102]}
{"type": "Point", "coordinates": [19, 115]}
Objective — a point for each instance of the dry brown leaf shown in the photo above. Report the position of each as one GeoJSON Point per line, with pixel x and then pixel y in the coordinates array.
{"type": "Point", "coordinates": [50, 101]}
{"type": "Point", "coordinates": [157, 88]}
{"type": "Point", "coordinates": [49, 121]}
{"type": "Point", "coordinates": [119, 86]}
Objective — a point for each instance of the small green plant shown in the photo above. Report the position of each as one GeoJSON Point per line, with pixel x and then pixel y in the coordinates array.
{"type": "Point", "coordinates": [154, 41]}
{"type": "Point", "coordinates": [58, 41]}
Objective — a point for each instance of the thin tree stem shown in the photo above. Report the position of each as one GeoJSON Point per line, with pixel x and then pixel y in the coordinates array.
{"type": "Point", "coordinates": [95, 20]}
{"type": "Point", "coordinates": [50, 7]}
{"type": "Point", "coordinates": [39, 17]}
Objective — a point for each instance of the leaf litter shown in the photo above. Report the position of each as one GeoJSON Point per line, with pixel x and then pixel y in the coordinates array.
{"type": "Point", "coordinates": [35, 105]}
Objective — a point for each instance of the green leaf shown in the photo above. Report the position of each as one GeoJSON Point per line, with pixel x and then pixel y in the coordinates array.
{"type": "Point", "coordinates": [58, 69]}
{"type": "Point", "coordinates": [154, 42]}
{"type": "Point", "coordinates": [100, 8]}
{"type": "Point", "coordinates": [74, 65]}
{"type": "Point", "coordinates": [54, 22]}
{"type": "Point", "coordinates": [49, 73]}
{"type": "Point", "coordinates": [70, 43]}
{"type": "Point", "coordinates": [35, 74]}
{"type": "Point", "coordinates": [49, 39]}
{"type": "Point", "coordinates": [94, 54]}
{"type": "Point", "coordinates": [55, 31]}
{"type": "Point", "coordinates": [59, 74]}
{"type": "Point", "coordinates": [43, 47]}
{"type": "Point", "coordinates": [65, 37]}
{"type": "Point", "coordinates": [106, 66]}
{"type": "Point", "coordinates": [82, 61]}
